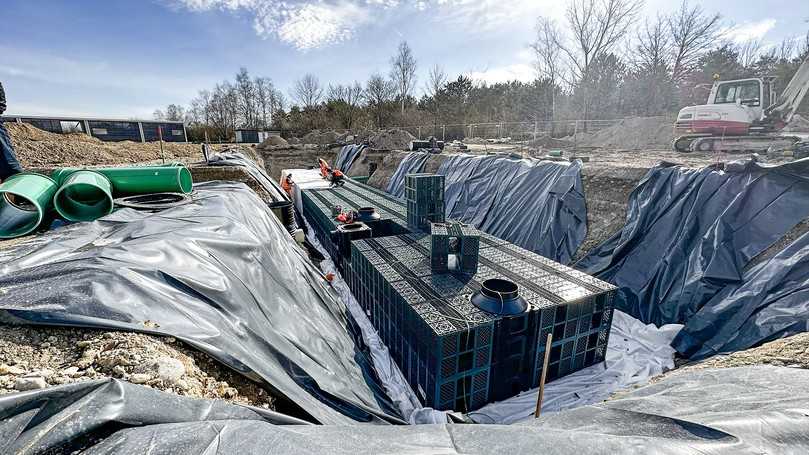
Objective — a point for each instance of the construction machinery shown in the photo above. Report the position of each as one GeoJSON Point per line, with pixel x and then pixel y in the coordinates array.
{"type": "Point", "coordinates": [743, 115]}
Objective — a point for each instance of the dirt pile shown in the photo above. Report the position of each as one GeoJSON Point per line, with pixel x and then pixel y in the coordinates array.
{"type": "Point", "coordinates": [37, 148]}
{"type": "Point", "coordinates": [798, 124]}
{"type": "Point", "coordinates": [638, 133]}
{"type": "Point", "coordinates": [37, 357]}
{"type": "Point", "coordinates": [321, 137]}
{"type": "Point", "coordinates": [272, 141]}
{"type": "Point", "coordinates": [549, 142]}
{"type": "Point", "coordinates": [392, 139]}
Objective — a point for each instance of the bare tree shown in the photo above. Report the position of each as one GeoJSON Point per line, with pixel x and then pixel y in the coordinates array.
{"type": "Point", "coordinates": [436, 80]}
{"type": "Point", "coordinates": [347, 99]}
{"type": "Point", "coordinates": [653, 49]}
{"type": "Point", "coordinates": [265, 100]}
{"type": "Point", "coordinates": [547, 56]}
{"type": "Point", "coordinates": [378, 93]}
{"type": "Point", "coordinates": [403, 72]}
{"type": "Point", "coordinates": [246, 96]}
{"type": "Point", "coordinates": [173, 113]}
{"type": "Point", "coordinates": [308, 91]}
{"type": "Point", "coordinates": [749, 52]}
{"type": "Point", "coordinates": [693, 32]}
{"type": "Point", "coordinates": [597, 27]}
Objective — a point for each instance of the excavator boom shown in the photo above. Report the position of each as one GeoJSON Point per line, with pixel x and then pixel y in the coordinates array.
{"type": "Point", "coordinates": [793, 94]}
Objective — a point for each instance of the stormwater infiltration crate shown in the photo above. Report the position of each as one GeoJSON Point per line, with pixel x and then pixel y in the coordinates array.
{"type": "Point", "coordinates": [454, 246]}
{"type": "Point", "coordinates": [424, 196]}
{"type": "Point", "coordinates": [454, 355]}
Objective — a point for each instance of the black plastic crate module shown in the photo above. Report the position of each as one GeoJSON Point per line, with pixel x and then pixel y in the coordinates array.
{"type": "Point", "coordinates": [454, 355]}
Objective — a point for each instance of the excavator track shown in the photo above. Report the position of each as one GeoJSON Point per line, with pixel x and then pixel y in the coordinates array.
{"type": "Point", "coordinates": [732, 144]}
{"type": "Point", "coordinates": [682, 144]}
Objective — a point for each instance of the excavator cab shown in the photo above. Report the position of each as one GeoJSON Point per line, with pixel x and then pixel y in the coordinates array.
{"type": "Point", "coordinates": [743, 92]}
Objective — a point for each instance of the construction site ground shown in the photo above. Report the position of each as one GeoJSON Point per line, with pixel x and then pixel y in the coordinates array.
{"type": "Point", "coordinates": [33, 357]}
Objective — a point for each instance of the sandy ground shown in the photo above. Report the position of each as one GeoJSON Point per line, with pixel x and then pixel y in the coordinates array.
{"type": "Point", "coordinates": [786, 352]}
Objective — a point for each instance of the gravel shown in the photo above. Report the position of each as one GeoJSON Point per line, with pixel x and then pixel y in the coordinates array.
{"type": "Point", "coordinates": [36, 357]}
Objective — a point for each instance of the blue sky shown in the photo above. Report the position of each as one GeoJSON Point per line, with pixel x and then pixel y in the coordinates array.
{"type": "Point", "coordinates": [124, 59]}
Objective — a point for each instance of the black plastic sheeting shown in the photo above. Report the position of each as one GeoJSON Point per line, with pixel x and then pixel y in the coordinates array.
{"type": "Point", "coordinates": [220, 274]}
{"type": "Point", "coordinates": [413, 163]}
{"type": "Point", "coordinates": [690, 232]}
{"type": "Point", "coordinates": [749, 410]}
{"type": "Point", "coordinates": [771, 302]}
{"type": "Point", "coordinates": [538, 205]}
{"type": "Point", "coordinates": [347, 156]}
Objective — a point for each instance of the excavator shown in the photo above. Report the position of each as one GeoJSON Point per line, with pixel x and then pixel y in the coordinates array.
{"type": "Point", "coordinates": [743, 115]}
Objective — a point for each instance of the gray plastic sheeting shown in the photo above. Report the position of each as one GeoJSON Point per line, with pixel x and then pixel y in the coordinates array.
{"type": "Point", "coordinates": [690, 232]}
{"type": "Point", "coordinates": [738, 411]}
{"type": "Point", "coordinates": [538, 205]}
{"type": "Point", "coordinates": [413, 163]}
{"type": "Point", "coordinates": [237, 159]}
{"type": "Point", "coordinates": [771, 302]}
{"type": "Point", "coordinates": [71, 417]}
{"type": "Point", "coordinates": [220, 274]}
{"type": "Point", "coordinates": [347, 156]}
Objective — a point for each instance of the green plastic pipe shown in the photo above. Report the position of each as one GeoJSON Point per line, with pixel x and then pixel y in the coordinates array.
{"type": "Point", "coordinates": [25, 199]}
{"type": "Point", "coordinates": [141, 179]}
{"type": "Point", "coordinates": [83, 196]}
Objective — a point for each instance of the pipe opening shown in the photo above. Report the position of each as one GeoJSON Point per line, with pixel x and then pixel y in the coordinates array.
{"type": "Point", "coordinates": [82, 202]}
{"type": "Point", "coordinates": [20, 202]}
{"type": "Point", "coordinates": [185, 180]}
{"type": "Point", "coordinates": [499, 296]}
{"type": "Point", "coordinates": [498, 288]}
{"type": "Point", "coordinates": [18, 215]}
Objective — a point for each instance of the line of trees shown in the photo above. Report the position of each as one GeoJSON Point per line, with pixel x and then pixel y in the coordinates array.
{"type": "Point", "coordinates": [603, 61]}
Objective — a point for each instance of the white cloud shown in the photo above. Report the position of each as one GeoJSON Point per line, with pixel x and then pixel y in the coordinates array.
{"type": "Point", "coordinates": [303, 24]}
{"type": "Point", "coordinates": [312, 24]}
{"type": "Point", "coordinates": [520, 71]}
{"type": "Point", "coordinates": [750, 31]}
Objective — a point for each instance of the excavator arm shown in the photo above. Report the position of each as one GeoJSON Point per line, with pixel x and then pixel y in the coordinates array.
{"type": "Point", "coordinates": [795, 91]}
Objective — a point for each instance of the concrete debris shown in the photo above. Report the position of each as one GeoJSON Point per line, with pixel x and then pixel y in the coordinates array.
{"type": "Point", "coordinates": [75, 355]}
{"type": "Point", "coordinates": [24, 383]}
{"type": "Point", "coordinates": [169, 370]}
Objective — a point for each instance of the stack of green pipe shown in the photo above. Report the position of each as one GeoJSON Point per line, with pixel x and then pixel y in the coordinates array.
{"type": "Point", "coordinates": [86, 195]}
{"type": "Point", "coordinates": [80, 194]}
